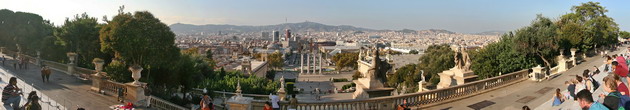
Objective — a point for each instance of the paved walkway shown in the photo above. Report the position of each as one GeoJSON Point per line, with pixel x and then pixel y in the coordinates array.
{"type": "Point", "coordinates": [526, 93]}
{"type": "Point", "coordinates": [68, 90]}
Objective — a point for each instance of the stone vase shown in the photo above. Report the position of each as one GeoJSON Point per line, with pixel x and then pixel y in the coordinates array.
{"type": "Point", "coordinates": [98, 65]}
{"type": "Point", "coordinates": [135, 73]}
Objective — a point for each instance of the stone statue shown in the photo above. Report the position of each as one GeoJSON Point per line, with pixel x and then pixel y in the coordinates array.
{"type": "Point", "coordinates": [422, 75]}
{"type": "Point", "coordinates": [462, 59]}
{"type": "Point", "coordinates": [282, 82]}
{"type": "Point", "coordinates": [466, 60]}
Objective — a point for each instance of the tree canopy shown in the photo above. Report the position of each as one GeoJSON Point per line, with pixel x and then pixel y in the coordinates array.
{"type": "Point", "coordinates": [537, 39]}
{"type": "Point", "coordinates": [436, 59]}
{"type": "Point", "coordinates": [81, 35]}
{"type": "Point", "coordinates": [587, 26]}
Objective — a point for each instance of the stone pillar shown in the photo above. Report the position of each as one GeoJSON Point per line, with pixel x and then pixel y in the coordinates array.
{"type": "Point", "coordinates": [562, 64]}
{"type": "Point", "coordinates": [537, 73]}
{"type": "Point", "coordinates": [308, 63]}
{"type": "Point", "coordinates": [421, 86]}
{"type": "Point", "coordinates": [135, 92]}
{"type": "Point", "coordinates": [573, 50]}
{"type": "Point", "coordinates": [97, 78]}
{"type": "Point", "coordinates": [301, 63]}
{"type": "Point", "coordinates": [37, 61]}
{"type": "Point", "coordinates": [320, 63]}
{"type": "Point", "coordinates": [72, 56]}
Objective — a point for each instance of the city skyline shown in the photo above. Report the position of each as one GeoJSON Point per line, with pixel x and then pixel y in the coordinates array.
{"type": "Point", "coordinates": [457, 16]}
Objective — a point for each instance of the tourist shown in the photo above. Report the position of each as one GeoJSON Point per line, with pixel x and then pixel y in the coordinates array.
{"type": "Point", "coordinates": [206, 102]}
{"type": "Point", "coordinates": [622, 72]}
{"type": "Point", "coordinates": [586, 79]}
{"type": "Point", "coordinates": [267, 106]}
{"type": "Point", "coordinates": [11, 94]}
{"type": "Point", "coordinates": [558, 98]}
{"type": "Point", "coordinates": [45, 73]}
{"type": "Point", "coordinates": [293, 102]}
{"type": "Point", "coordinates": [612, 99]}
{"type": "Point", "coordinates": [585, 100]}
{"type": "Point", "coordinates": [3, 60]}
{"type": "Point", "coordinates": [121, 93]}
{"type": "Point", "coordinates": [274, 101]}
{"type": "Point", "coordinates": [34, 105]}
{"type": "Point", "coordinates": [571, 88]}
{"type": "Point", "coordinates": [526, 107]}
{"type": "Point", "coordinates": [608, 63]}
{"type": "Point", "coordinates": [147, 94]}
{"type": "Point", "coordinates": [622, 88]}
{"type": "Point", "coordinates": [579, 84]}
{"type": "Point", "coordinates": [29, 98]}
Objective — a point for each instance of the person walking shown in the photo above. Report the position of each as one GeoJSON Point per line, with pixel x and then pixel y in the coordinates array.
{"type": "Point", "coordinates": [121, 95]}
{"type": "Point", "coordinates": [11, 94]}
{"type": "Point", "coordinates": [45, 73]}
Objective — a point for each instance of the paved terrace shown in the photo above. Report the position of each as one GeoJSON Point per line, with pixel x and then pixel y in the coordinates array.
{"type": "Point", "coordinates": [69, 91]}
{"type": "Point", "coordinates": [527, 93]}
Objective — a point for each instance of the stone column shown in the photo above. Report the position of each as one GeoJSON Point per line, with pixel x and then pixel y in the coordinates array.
{"type": "Point", "coordinates": [97, 78]}
{"type": "Point", "coordinates": [308, 63]}
{"type": "Point", "coordinates": [537, 73]}
{"type": "Point", "coordinates": [320, 63]}
{"type": "Point", "coordinates": [573, 50]}
{"type": "Point", "coordinates": [72, 56]}
{"type": "Point", "coordinates": [421, 86]}
{"type": "Point", "coordinates": [301, 63]}
{"type": "Point", "coordinates": [38, 60]}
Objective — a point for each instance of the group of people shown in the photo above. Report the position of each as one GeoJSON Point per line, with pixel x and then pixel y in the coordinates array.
{"type": "Point", "coordinates": [20, 63]}
{"type": "Point", "coordinates": [11, 96]}
{"type": "Point", "coordinates": [615, 94]}
{"type": "Point", "coordinates": [274, 104]}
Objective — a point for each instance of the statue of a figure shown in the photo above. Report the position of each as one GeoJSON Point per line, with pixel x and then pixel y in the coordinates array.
{"type": "Point", "coordinates": [466, 60]}
{"type": "Point", "coordinates": [422, 75]}
{"type": "Point", "coordinates": [282, 82]}
{"type": "Point", "coordinates": [458, 58]}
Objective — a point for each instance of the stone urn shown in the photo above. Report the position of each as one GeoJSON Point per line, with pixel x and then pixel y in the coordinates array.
{"type": "Point", "coordinates": [98, 65]}
{"type": "Point", "coordinates": [573, 50]}
{"type": "Point", "coordinates": [72, 56]}
{"type": "Point", "coordinates": [135, 73]}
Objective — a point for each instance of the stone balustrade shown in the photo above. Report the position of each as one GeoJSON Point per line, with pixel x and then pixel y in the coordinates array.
{"type": "Point", "coordinates": [161, 104]}
{"type": "Point", "coordinates": [111, 87]}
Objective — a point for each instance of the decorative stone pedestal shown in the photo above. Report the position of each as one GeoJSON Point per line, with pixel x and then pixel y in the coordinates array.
{"type": "Point", "coordinates": [135, 92]}
{"type": "Point", "coordinates": [537, 73]}
{"type": "Point", "coordinates": [459, 77]}
{"type": "Point", "coordinates": [96, 83]}
{"type": "Point", "coordinates": [240, 103]}
{"type": "Point", "coordinates": [562, 64]}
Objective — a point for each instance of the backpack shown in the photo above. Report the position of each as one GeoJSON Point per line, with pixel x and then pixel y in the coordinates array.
{"type": "Point", "coordinates": [595, 83]}
{"type": "Point", "coordinates": [624, 101]}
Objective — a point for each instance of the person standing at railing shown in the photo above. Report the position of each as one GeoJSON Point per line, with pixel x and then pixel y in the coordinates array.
{"type": "Point", "coordinates": [274, 101]}
{"type": "Point", "coordinates": [206, 102]}
{"type": "Point", "coordinates": [147, 94]}
{"type": "Point", "coordinates": [11, 94]}
{"type": "Point", "coordinates": [293, 102]}
{"type": "Point", "coordinates": [3, 60]}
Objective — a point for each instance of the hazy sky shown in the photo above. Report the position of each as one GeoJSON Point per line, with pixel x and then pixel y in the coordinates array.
{"type": "Point", "coordinates": [467, 16]}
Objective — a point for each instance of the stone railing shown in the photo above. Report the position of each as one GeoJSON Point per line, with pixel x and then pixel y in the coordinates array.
{"type": "Point", "coordinates": [255, 96]}
{"type": "Point", "coordinates": [421, 99]}
{"type": "Point", "coordinates": [162, 104]}
{"type": "Point", "coordinates": [56, 66]}
{"type": "Point", "coordinates": [111, 87]}
{"type": "Point", "coordinates": [80, 70]}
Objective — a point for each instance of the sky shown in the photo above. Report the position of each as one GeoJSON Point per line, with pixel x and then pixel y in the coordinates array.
{"type": "Point", "coordinates": [465, 16]}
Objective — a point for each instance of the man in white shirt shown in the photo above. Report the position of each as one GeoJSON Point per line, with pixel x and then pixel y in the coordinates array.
{"type": "Point", "coordinates": [274, 101]}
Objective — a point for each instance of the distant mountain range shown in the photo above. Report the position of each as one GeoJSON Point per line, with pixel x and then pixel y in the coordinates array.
{"type": "Point", "coordinates": [301, 27]}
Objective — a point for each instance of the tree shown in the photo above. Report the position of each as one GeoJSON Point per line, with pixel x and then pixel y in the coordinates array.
{"type": "Point", "coordinates": [275, 60]}
{"type": "Point", "coordinates": [587, 26]}
{"type": "Point", "coordinates": [624, 34]}
{"type": "Point", "coordinates": [81, 35]}
{"type": "Point", "coordinates": [436, 59]}
{"type": "Point", "coordinates": [25, 29]}
{"type": "Point", "coordinates": [345, 60]}
{"type": "Point", "coordinates": [537, 39]}
{"type": "Point", "coordinates": [209, 54]}
{"type": "Point", "coordinates": [407, 75]}
{"type": "Point", "coordinates": [141, 39]}
{"type": "Point", "coordinates": [499, 57]}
